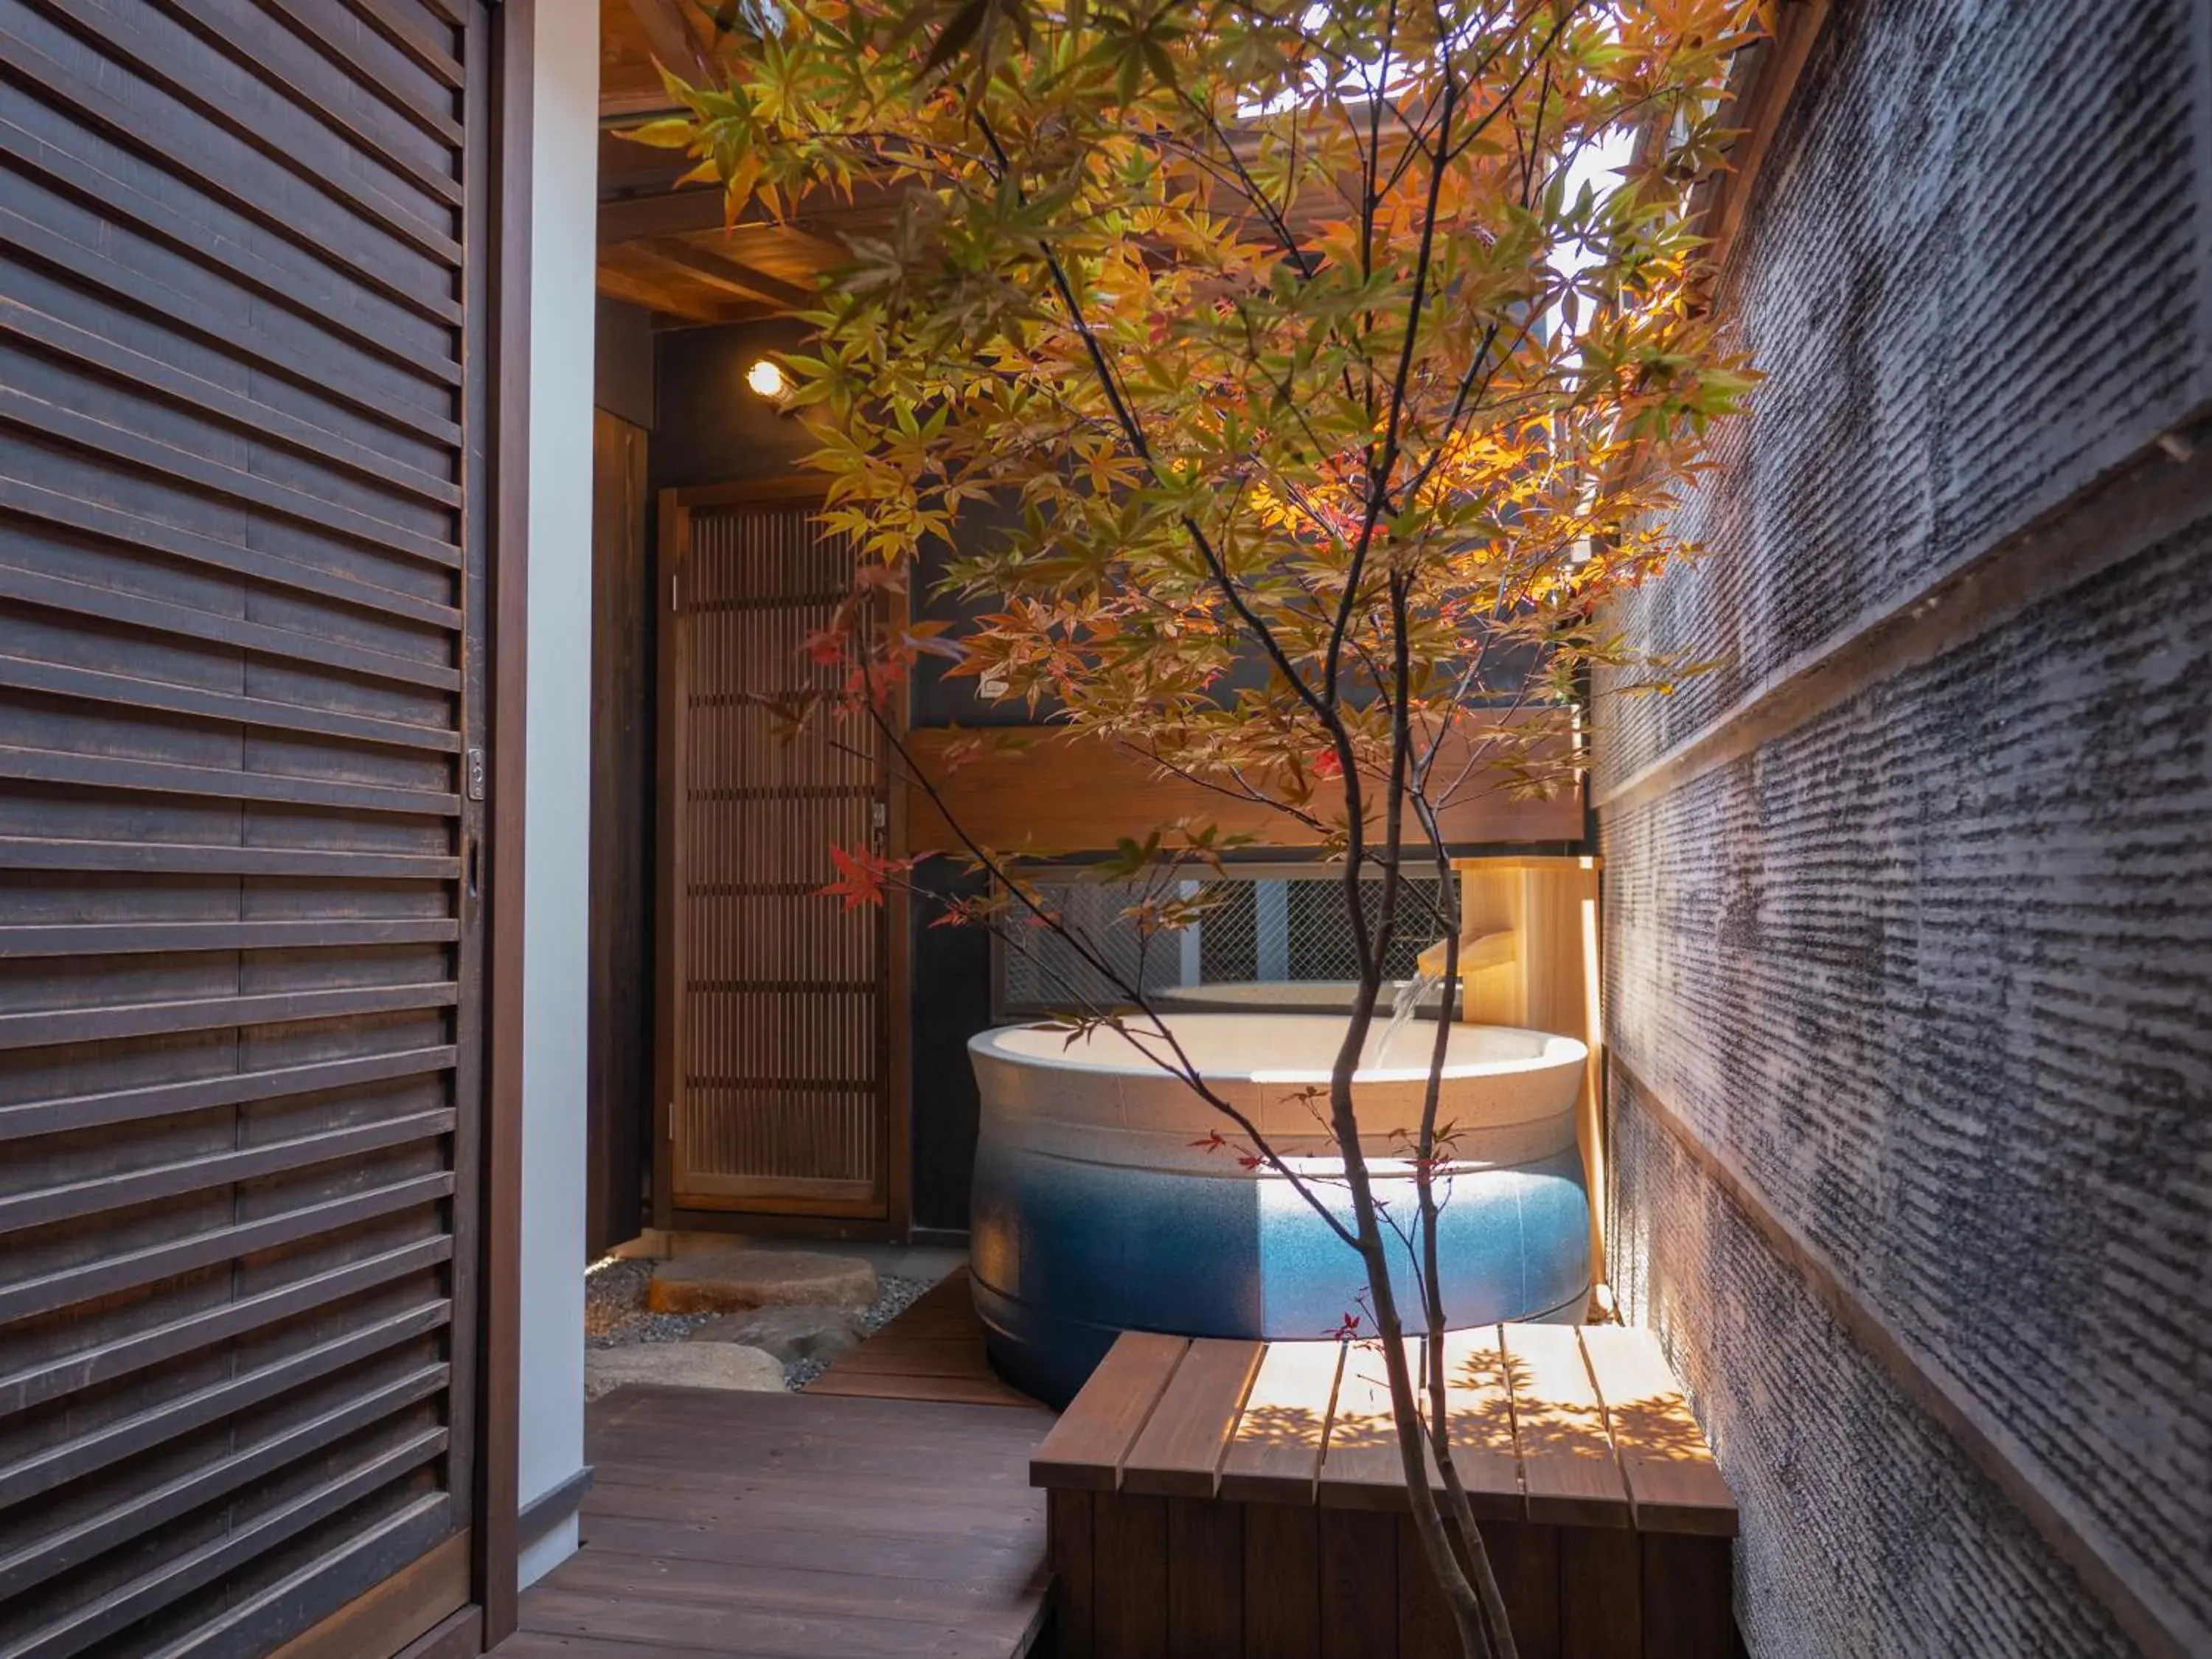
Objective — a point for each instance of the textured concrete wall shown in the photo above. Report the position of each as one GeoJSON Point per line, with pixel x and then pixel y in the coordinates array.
{"type": "Point", "coordinates": [1929, 968]}
{"type": "Point", "coordinates": [1934, 973]}
{"type": "Point", "coordinates": [1866, 1533]}
{"type": "Point", "coordinates": [1974, 271]}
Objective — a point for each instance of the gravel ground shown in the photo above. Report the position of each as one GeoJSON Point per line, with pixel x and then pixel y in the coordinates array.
{"type": "Point", "coordinates": [615, 1316]}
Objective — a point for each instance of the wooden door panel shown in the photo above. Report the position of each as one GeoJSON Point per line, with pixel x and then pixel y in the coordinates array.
{"type": "Point", "coordinates": [240, 586]}
{"type": "Point", "coordinates": [777, 1021]}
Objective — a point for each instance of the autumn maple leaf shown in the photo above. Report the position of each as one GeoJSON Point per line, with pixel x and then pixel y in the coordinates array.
{"type": "Point", "coordinates": [860, 876]}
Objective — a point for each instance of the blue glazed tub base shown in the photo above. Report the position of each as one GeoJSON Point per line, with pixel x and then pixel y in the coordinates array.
{"type": "Point", "coordinates": [1068, 1254]}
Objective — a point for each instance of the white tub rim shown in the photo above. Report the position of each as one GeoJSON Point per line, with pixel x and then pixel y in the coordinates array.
{"type": "Point", "coordinates": [1554, 1053]}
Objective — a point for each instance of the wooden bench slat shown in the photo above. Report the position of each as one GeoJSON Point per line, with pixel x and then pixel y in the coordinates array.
{"type": "Point", "coordinates": [1479, 1412]}
{"type": "Point", "coordinates": [1086, 1448]}
{"type": "Point", "coordinates": [1359, 1466]}
{"type": "Point", "coordinates": [1178, 1453]}
{"type": "Point", "coordinates": [1673, 1485]}
{"type": "Point", "coordinates": [1275, 1454]}
{"type": "Point", "coordinates": [1567, 1463]}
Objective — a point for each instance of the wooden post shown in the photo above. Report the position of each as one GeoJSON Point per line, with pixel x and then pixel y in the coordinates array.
{"type": "Point", "coordinates": [1550, 983]}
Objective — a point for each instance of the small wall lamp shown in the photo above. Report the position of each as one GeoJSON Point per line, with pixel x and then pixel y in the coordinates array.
{"type": "Point", "coordinates": [766, 380]}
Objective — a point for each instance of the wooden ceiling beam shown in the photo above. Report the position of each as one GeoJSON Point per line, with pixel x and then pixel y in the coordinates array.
{"type": "Point", "coordinates": [655, 297]}
{"type": "Point", "coordinates": [696, 208]}
{"type": "Point", "coordinates": [718, 270]}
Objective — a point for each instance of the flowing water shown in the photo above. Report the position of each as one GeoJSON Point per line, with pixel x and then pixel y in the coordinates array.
{"type": "Point", "coordinates": [1407, 1001]}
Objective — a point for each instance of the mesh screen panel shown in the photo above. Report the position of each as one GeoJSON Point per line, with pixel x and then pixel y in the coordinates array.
{"type": "Point", "coordinates": [1274, 926]}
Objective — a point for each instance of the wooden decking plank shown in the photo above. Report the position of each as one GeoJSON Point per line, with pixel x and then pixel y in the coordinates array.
{"type": "Point", "coordinates": [1361, 1467]}
{"type": "Point", "coordinates": [1478, 1415]}
{"type": "Point", "coordinates": [1567, 1463]}
{"type": "Point", "coordinates": [798, 1507]}
{"type": "Point", "coordinates": [1274, 1456]}
{"type": "Point", "coordinates": [1129, 1576]}
{"type": "Point", "coordinates": [1086, 1448]}
{"type": "Point", "coordinates": [917, 1355]}
{"type": "Point", "coordinates": [933, 1351]}
{"type": "Point", "coordinates": [1068, 1515]}
{"type": "Point", "coordinates": [980, 1602]}
{"type": "Point", "coordinates": [1282, 1580]}
{"type": "Point", "coordinates": [923, 1552]}
{"type": "Point", "coordinates": [1206, 1578]}
{"type": "Point", "coordinates": [1178, 1454]}
{"type": "Point", "coordinates": [743, 1634]}
{"type": "Point", "coordinates": [770, 1526]}
{"type": "Point", "coordinates": [949, 1390]}
{"type": "Point", "coordinates": [1673, 1485]}
{"type": "Point", "coordinates": [1358, 1584]}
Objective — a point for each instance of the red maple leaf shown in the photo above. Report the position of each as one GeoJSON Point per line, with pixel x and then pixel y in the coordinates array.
{"type": "Point", "coordinates": [860, 876]}
{"type": "Point", "coordinates": [1211, 1143]}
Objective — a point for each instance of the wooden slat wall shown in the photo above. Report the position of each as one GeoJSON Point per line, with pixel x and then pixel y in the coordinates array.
{"type": "Point", "coordinates": [778, 1095]}
{"type": "Point", "coordinates": [238, 585]}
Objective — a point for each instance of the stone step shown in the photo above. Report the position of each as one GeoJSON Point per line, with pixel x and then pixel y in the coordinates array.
{"type": "Point", "coordinates": [683, 1365]}
{"type": "Point", "coordinates": [803, 1331]}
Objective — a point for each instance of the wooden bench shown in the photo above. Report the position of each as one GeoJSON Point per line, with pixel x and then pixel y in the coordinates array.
{"type": "Point", "coordinates": [1243, 1500]}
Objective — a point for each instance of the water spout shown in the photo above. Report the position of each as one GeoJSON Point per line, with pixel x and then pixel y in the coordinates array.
{"type": "Point", "coordinates": [1410, 996]}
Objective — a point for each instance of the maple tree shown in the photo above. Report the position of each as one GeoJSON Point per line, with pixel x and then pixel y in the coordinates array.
{"type": "Point", "coordinates": [1296, 383]}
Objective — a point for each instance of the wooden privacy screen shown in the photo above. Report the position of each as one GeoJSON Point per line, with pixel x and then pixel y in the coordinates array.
{"type": "Point", "coordinates": [241, 563]}
{"type": "Point", "coordinates": [773, 1034]}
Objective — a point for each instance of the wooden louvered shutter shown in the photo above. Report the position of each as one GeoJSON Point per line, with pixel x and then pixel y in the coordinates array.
{"type": "Point", "coordinates": [775, 1024]}
{"type": "Point", "coordinates": [241, 574]}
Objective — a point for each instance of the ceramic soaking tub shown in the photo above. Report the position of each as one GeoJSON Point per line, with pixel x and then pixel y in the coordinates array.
{"type": "Point", "coordinates": [1094, 1212]}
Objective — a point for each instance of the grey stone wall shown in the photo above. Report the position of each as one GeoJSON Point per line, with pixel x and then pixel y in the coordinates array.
{"type": "Point", "coordinates": [1929, 968]}
{"type": "Point", "coordinates": [1865, 1531]}
{"type": "Point", "coordinates": [1973, 272]}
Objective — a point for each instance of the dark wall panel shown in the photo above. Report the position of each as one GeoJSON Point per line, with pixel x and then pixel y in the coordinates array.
{"type": "Point", "coordinates": [623, 818]}
{"type": "Point", "coordinates": [623, 367]}
{"type": "Point", "coordinates": [711, 430]}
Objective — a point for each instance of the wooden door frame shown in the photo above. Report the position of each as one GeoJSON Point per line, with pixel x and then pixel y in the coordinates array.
{"type": "Point", "coordinates": [671, 542]}
{"type": "Point", "coordinates": [509, 178]}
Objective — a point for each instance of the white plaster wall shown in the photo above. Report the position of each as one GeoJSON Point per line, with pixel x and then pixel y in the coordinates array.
{"type": "Point", "coordinates": [563, 233]}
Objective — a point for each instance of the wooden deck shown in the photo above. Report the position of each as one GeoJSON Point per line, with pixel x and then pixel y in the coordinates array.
{"type": "Point", "coordinates": [933, 1351]}
{"type": "Point", "coordinates": [1248, 1498]}
{"type": "Point", "coordinates": [809, 1525]}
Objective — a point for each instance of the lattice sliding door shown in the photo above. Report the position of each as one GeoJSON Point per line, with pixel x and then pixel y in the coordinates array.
{"type": "Point", "coordinates": [775, 1018]}
{"type": "Point", "coordinates": [241, 576]}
